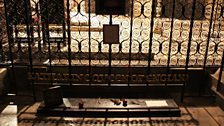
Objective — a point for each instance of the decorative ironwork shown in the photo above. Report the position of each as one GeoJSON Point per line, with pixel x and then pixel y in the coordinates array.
{"type": "Point", "coordinates": [79, 20]}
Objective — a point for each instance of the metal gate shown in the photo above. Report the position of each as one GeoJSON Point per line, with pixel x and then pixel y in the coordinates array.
{"type": "Point", "coordinates": [66, 36]}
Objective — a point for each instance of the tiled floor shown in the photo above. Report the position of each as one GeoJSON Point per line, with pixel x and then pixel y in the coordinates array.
{"type": "Point", "coordinates": [191, 115]}
{"type": "Point", "coordinates": [8, 116]}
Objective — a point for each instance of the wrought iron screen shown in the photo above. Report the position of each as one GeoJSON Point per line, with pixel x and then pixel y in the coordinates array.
{"type": "Point", "coordinates": [153, 33]}
{"type": "Point", "coordinates": [164, 33]}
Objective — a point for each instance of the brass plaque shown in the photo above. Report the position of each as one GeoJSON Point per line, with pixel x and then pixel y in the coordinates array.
{"type": "Point", "coordinates": [111, 34]}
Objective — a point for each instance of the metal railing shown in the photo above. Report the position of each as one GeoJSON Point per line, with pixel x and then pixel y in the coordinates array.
{"type": "Point", "coordinates": [153, 33]}
{"type": "Point", "coordinates": [162, 33]}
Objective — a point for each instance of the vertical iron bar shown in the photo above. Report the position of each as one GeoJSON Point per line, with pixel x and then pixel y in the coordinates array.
{"type": "Point", "coordinates": [219, 27]}
{"type": "Point", "coordinates": [64, 26]}
{"type": "Point", "coordinates": [129, 57]}
{"type": "Point", "coordinates": [151, 37]}
{"type": "Point", "coordinates": [43, 23]}
{"type": "Point", "coordinates": [43, 20]}
{"type": "Point", "coordinates": [221, 17]}
{"type": "Point", "coordinates": [10, 42]}
{"type": "Point", "coordinates": [207, 44]}
{"type": "Point", "coordinates": [170, 41]}
{"type": "Point", "coordinates": [89, 20]}
{"type": "Point", "coordinates": [16, 30]}
{"type": "Point", "coordinates": [31, 28]}
{"type": "Point", "coordinates": [209, 34]}
{"type": "Point", "coordinates": [28, 23]}
{"type": "Point", "coordinates": [110, 51]}
{"type": "Point", "coordinates": [220, 73]}
{"type": "Point", "coordinates": [69, 42]}
{"type": "Point", "coordinates": [216, 9]}
{"type": "Point", "coordinates": [16, 38]}
{"type": "Point", "coordinates": [38, 25]}
{"type": "Point", "coordinates": [48, 39]}
{"type": "Point", "coordinates": [218, 20]}
{"type": "Point", "coordinates": [1, 47]}
{"type": "Point", "coordinates": [188, 49]}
